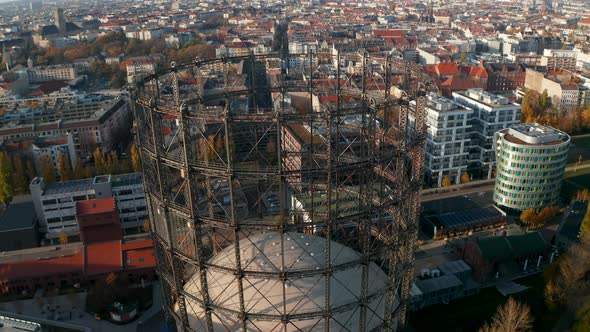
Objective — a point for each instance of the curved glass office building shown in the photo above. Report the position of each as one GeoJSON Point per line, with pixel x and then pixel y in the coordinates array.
{"type": "Point", "coordinates": [531, 160]}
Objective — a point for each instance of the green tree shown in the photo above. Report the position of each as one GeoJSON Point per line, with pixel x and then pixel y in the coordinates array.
{"type": "Point", "coordinates": [543, 99]}
{"type": "Point", "coordinates": [135, 159]}
{"type": "Point", "coordinates": [6, 179]}
{"type": "Point", "coordinates": [64, 167]}
{"type": "Point", "coordinates": [464, 56]}
{"type": "Point", "coordinates": [47, 168]}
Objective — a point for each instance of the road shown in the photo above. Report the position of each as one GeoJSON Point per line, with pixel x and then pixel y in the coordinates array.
{"type": "Point", "coordinates": [472, 187]}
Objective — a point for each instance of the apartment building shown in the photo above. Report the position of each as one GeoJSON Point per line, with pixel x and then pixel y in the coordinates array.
{"type": "Point", "coordinates": [97, 129]}
{"type": "Point", "coordinates": [139, 65]}
{"type": "Point", "coordinates": [491, 113]}
{"type": "Point", "coordinates": [51, 73]}
{"type": "Point", "coordinates": [560, 86]}
{"type": "Point", "coordinates": [559, 59]}
{"type": "Point", "coordinates": [55, 204]}
{"type": "Point", "coordinates": [447, 139]}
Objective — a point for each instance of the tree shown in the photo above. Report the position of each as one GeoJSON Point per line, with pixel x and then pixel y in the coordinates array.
{"type": "Point", "coordinates": [464, 56]}
{"type": "Point", "coordinates": [513, 316]}
{"type": "Point", "coordinates": [100, 162]}
{"type": "Point", "coordinates": [135, 159]}
{"type": "Point", "coordinates": [567, 278]}
{"type": "Point", "coordinates": [446, 181]}
{"type": "Point", "coordinates": [582, 323]}
{"type": "Point", "coordinates": [585, 223]}
{"type": "Point", "coordinates": [62, 238]}
{"type": "Point", "coordinates": [547, 214]}
{"type": "Point", "coordinates": [528, 216]}
{"type": "Point", "coordinates": [78, 169]}
{"type": "Point", "coordinates": [114, 167]}
{"type": "Point", "coordinates": [543, 99]}
{"type": "Point", "coordinates": [6, 178]}
{"type": "Point", "coordinates": [21, 181]}
{"type": "Point", "coordinates": [31, 171]}
{"type": "Point", "coordinates": [465, 178]}
{"type": "Point", "coordinates": [88, 172]}
{"type": "Point", "coordinates": [147, 227]}
{"type": "Point", "coordinates": [64, 167]}
{"type": "Point", "coordinates": [48, 168]}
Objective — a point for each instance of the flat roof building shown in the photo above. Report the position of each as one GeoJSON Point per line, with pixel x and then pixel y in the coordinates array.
{"type": "Point", "coordinates": [55, 204]}
{"type": "Point", "coordinates": [447, 139]}
{"type": "Point", "coordinates": [531, 166]}
{"type": "Point", "coordinates": [491, 113]}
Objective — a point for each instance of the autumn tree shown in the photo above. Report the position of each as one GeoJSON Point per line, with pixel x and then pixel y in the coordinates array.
{"type": "Point", "coordinates": [113, 163]}
{"type": "Point", "coordinates": [446, 181]}
{"type": "Point", "coordinates": [48, 168]}
{"type": "Point", "coordinates": [100, 162]}
{"type": "Point", "coordinates": [566, 279]}
{"type": "Point", "coordinates": [78, 169]}
{"type": "Point", "coordinates": [528, 216]}
{"type": "Point", "coordinates": [21, 181]}
{"type": "Point", "coordinates": [585, 227]}
{"type": "Point", "coordinates": [31, 171]}
{"type": "Point", "coordinates": [147, 227]}
{"type": "Point", "coordinates": [6, 179]}
{"type": "Point", "coordinates": [135, 160]}
{"type": "Point", "coordinates": [513, 316]}
{"type": "Point", "coordinates": [547, 214]}
{"type": "Point", "coordinates": [64, 167]}
{"type": "Point", "coordinates": [88, 172]}
{"type": "Point", "coordinates": [465, 178]}
{"type": "Point", "coordinates": [62, 238]}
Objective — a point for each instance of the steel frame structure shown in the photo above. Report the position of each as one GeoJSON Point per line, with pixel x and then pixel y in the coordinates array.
{"type": "Point", "coordinates": [221, 140]}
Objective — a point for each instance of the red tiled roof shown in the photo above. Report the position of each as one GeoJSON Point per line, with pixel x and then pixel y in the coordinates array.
{"type": "Point", "coordinates": [103, 258]}
{"type": "Point", "coordinates": [388, 33]}
{"type": "Point", "coordinates": [446, 68]}
{"type": "Point", "coordinates": [95, 206]}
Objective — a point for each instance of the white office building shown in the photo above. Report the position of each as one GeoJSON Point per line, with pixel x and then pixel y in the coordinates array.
{"type": "Point", "coordinates": [531, 166]}
{"type": "Point", "coordinates": [55, 204]}
{"type": "Point", "coordinates": [447, 140]}
{"type": "Point", "coordinates": [491, 113]}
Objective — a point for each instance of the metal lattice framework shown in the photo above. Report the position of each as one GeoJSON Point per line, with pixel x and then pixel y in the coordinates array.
{"type": "Point", "coordinates": [283, 192]}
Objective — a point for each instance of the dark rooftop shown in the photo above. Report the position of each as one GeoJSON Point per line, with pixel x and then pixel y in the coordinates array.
{"type": "Point", "coordinates": [20, 214]}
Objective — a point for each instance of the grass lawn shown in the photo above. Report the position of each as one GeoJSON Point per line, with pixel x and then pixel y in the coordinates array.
{"type": "Point", "coordinates": [471, 313]}
{"type": "Point", "coordinates": [579, 145]}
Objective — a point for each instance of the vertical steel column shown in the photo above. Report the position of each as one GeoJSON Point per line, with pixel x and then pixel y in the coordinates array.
{"type": "Point", "coordinates": [235, 224]}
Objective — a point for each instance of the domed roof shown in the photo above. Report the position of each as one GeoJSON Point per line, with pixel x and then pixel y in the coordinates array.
{"type": "Point", "coordinates": [291, 285]}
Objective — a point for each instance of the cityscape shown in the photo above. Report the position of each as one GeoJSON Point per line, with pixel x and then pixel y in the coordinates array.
{"type": "Point", "coordinates": [290, 165]}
